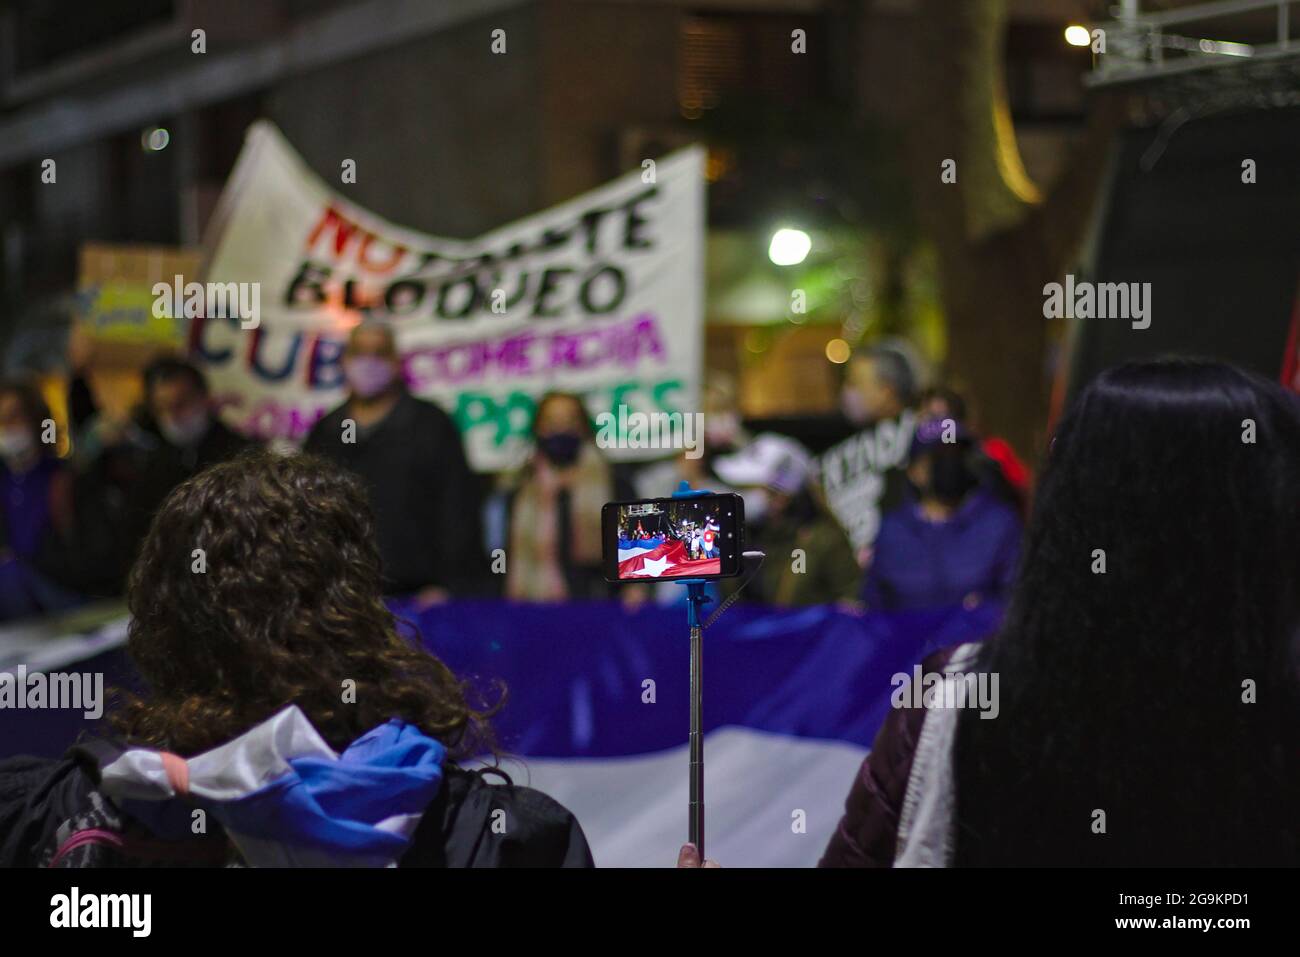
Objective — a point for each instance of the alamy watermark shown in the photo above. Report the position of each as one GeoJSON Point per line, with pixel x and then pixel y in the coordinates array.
{"type": "Point", "coordinates": [651, 430]}
{"type": "Point", "coordinates": [1103, 300]}
{"type": "Point", "coordinates": [946, 689]}
{"type": "Point", "coordinates": [213, 300]}
{"type": "Point", "coordinates": [54, 691]}
{"type": "Point", "coordinates": [133, 912]}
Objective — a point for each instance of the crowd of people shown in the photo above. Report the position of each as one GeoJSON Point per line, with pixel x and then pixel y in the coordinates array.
{"type": "Point", "coordinates": [1159, 691]}
{"type": "Point", "coordinates": [909, 510]}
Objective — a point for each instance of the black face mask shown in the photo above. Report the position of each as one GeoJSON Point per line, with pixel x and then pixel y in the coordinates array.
{"type": "Point", "coordinates": [950, 477]}
{"type": "Point", "coordinates": [560, 448]}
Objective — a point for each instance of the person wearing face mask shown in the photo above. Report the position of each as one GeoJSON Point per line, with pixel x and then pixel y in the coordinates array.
{"type": "Point", "coordinates": [409, 454]}
{"type": "Point", "coordinates": [554, 512]}
{"type": "Point", "coordinates": [180, 406]}
{"type": "Point", "coordinates": [862, 476]}
{"type": "Point", "coordinates": [723, 433]}
{"type": "Point", "coordinates": [954, 542]}
{"type": "Point", "coordinates": [810, 560]}
{"type": "Point", "coordinates": [189, 437]}
{"type": "Point", "coordinates": [35, 507]}
{"type": "Point", "coordinates": [1000, 469]}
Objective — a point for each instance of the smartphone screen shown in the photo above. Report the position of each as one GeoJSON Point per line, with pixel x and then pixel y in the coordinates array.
{"type": "Point", "coordinates": [663, 538]}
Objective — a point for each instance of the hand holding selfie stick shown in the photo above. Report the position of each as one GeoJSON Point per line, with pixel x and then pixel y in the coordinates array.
{"type": "Point", "coordinates": [695, 597]}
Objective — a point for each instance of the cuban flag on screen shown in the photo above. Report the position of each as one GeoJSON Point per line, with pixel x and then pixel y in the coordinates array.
{"type": "Point", "coordinates": [667, 559]}
{"type": "Point", "coordinates": [711, 540]}
{"type": "Point", "coordinates": [598, 714]}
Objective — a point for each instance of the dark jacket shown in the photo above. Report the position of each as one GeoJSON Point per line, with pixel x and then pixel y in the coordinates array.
{"type": "Point", "coordinates": [867, 834]}
{"type": "Point", "coordinates": [40, 796]}
{"type": "Point", "coordinates": [166, 466]}
{"type": "Point", "coordinates": [827, 570]}
{"type": "Point", "coordinates": [425, 498]}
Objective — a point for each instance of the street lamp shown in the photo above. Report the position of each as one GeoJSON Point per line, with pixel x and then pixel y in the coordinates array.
{"type": "Point", "coordinates": [1077, 36]}
{"type": "Point", "coordinates": [789, 247]}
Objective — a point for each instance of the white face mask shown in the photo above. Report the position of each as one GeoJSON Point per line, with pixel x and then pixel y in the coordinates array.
{"type": "Point", "coordinates": [721, 429]}
{"type": "Point", "coordinates": [854, 406]}
{"type": "Point", "coordinates": [15, 444]}
{"type": "Point", "coordinates": [756, 503]}
{"type": "Point", "coordinates": [187, 430]}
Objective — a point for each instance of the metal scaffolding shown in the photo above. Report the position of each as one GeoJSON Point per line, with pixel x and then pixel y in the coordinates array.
{"type": "Point", "coordinates": [1251, 37]}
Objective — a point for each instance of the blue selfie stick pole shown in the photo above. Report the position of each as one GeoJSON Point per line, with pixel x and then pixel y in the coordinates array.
{"type": "Point", "coordinates": [695, 597]}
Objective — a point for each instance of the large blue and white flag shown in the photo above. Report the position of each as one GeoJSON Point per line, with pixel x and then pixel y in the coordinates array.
{"type": "Point", "coordinates": [598, 716]}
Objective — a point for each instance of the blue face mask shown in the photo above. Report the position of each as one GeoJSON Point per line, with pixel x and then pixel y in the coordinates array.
{"type": "Point", "coordinates": [560, 448]}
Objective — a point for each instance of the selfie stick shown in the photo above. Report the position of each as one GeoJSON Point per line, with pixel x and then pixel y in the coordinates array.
{"type": "Point", "coordinates": [695, 597]}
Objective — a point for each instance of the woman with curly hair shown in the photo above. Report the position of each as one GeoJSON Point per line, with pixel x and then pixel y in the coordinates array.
{"type": "Point", "coordinates": [283, 711]}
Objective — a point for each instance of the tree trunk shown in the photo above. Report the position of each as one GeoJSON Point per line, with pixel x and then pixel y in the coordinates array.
{"type": "Point", "coordinates": [998, 241]}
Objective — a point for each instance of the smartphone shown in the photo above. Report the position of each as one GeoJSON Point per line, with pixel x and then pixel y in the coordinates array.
{"type": "Point", "coordinates": [700, 536]}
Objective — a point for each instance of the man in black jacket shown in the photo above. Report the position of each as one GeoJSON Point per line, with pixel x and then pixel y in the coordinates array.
{"type": "Point", "coordinates": [173, 436]}
{"type": "Point", "coordinates": [190, 437]}
{"type": "Point", "coordinates": [408, 453]}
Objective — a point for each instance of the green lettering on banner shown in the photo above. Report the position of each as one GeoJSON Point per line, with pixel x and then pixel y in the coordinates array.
{"type": "Point", "coordinates": [511, 416]}
{"type": "Point", "coordinates": [477, 409]}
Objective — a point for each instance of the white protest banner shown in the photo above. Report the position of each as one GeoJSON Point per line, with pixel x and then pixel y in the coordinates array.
{"type": "Point", "coordinates": [601, 295]}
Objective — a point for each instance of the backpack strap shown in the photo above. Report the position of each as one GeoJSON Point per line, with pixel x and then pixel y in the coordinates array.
{"type": "Point", "coordinates": [101, 836]}
{"type": "Point", "coordinates": [80, 839]}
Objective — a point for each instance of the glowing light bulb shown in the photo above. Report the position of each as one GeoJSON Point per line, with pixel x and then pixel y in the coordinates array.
{"type": "Point", "coordinates": [789, 247]}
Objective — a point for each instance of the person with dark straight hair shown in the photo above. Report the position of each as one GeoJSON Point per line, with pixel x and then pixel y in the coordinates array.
{"type": "Point", "coordinates": [1149, 663]}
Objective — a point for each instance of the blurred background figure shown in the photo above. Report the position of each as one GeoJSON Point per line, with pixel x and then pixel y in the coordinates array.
{"type": "Point", "coordinates": [409, 454]}
{"type": "Point", "coordinates": [36, 507]}
{"type": "Point", "coordinates": [862, 476]}
{"type": "Point", "coordinates": [954, 541]}
{"type": "Point", "coordinates": [1000, 469]}
{"type": "Point", "coordinates": [190, 437]}
{"type": "Point", "coordinates": [180, 409]}
{"type": "Point", "coordinates": [554, 550]}
{"type": "Point", "coordinates": [104, 440]}
{"type": "Point", "coordinates": [809, 558]}
{"type": "Point", "coordinates": [123, 463]}
{"type": "Point", "coordinates": [723, 433]}
{"type": "Point", "coordinates": [879, 383]}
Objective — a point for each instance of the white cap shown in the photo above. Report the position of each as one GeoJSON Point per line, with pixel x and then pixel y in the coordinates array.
{"type": "Point", "coordinates": [771, 460]}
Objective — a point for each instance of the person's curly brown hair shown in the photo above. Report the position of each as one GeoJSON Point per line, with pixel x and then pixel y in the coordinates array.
{"type": "Point", "coordinates": [288, 609]}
